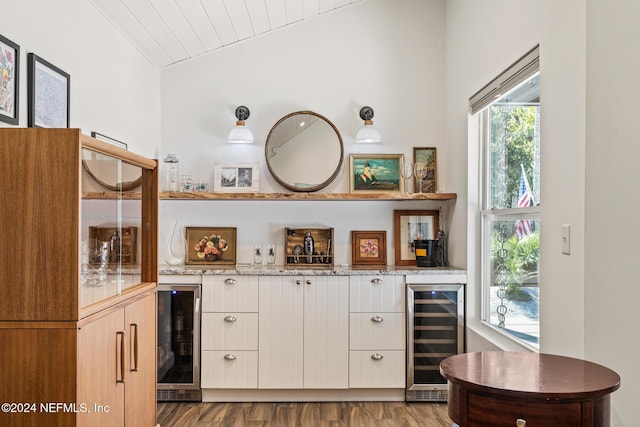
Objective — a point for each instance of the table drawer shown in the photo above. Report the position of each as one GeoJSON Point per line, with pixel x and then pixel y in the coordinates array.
{"type": "Point", "coordinates": [485, 411]}
{"type": "Point", "coordinates": [382, 331]}
{"type": "Point", "coordinates": [229, 331]}
{"type": "Point", "coordinates": [230, 293]}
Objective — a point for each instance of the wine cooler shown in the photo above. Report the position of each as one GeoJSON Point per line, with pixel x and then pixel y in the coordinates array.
{"type": "Point", "coordinates": [178, 342]}
{"type": "Point", "coordinates": [435, 330]}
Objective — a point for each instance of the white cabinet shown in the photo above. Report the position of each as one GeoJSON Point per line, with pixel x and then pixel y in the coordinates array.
{"type": "Point", "coordinates": [303, 337]}
{"type": "Point", "coordinates": [377, 332]}
{"type": "Point", "coordinates": [229, 331]}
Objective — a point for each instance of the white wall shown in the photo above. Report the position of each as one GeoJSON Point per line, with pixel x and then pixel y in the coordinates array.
{"type": "Point", "coordinates": [114, 89]}
{"type": "Point", "coordinates": [388, 55]}
{"type": "Point", "coordinates": [611, 244]}
{"type": "Point", "coordinates": [589, 138]}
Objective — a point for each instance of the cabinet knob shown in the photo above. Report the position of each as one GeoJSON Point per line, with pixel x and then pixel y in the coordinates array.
{"type": "Point", "coordinates": [377, 319]}
{"type": "Point", "coordinates": [308, 282]}
{"type": "Point", "coordinates": [230, 281]}
{"type": "Point", "coordinates": [376, 280]}
{"type": "Point", "coordinates": [520, 422]}
{"type": "Point", "coordinates": [230, 356]}
{"type": "Point", "coordinates": [377, 356]}
{"type": "Point", "coordinates": [298, 282]}
{"type": "Point", "coordinates": [229, 319]}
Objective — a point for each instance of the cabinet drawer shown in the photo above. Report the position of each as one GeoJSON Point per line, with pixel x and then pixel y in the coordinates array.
{"type": "Point", "coordinates": [229, 331]}
{"type": "Point", "coordinates": [229, 369]}
{"type": "Point", "coordinates": [377, 369]}
{"type": "Point", "coordinates": [377, 331]}
{"type": "Point", "coordinates": [497, 412]}
{"type": "Point", "coordinates": [381, 293]}
{"type": "Point", "coordinates": [230, 293]}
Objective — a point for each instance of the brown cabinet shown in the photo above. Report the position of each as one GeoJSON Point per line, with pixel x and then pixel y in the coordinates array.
{"type": "Point", "coordinates": [78, 335]}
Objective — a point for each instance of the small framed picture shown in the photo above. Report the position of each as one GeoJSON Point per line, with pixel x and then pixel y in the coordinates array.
{"type": "Point", "coordinates": [425, 169]}
{"type": "Point", "coordinates": [376, 173]}
{"type": "Point", "coordinates": [410, 225]}
{"type": "Point", "coordinates": [368, 248]}
{"type": "Point", "coordinates": [236, 177]}
{"type": "Point", "coordinates": [210, 245]}
{"type": "Point", "coordinates": [49, 93]}
{"type": "Point", "coordinates": [9, 80]}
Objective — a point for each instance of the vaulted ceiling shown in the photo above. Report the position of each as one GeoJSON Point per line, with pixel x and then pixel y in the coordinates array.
{"type": "Point", "coordinates": [170, 31]}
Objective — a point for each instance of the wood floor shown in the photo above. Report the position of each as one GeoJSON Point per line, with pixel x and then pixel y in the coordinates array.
{"type": "Point", "coordinates": [303, 414]}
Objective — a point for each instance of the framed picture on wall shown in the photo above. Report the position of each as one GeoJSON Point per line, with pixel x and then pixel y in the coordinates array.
{"type": "Point", "coordinates": [376, 173]}
{"type": "Point", "coordinates": [410, 225]}
{"type": "Point", "coordinates": [368, 248]}
{"type": "Point", "coordinates": [210, 245]}
{"type": "Point", "coordinates": [49, 93]}
{"type": "Point", "coordinates": [9, 80]}
{"type": "Point", "coordinates": [425, 169]}
{"type": "Point", "coordinates": [236, 177]}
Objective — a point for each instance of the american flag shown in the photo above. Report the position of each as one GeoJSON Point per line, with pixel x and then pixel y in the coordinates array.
{"type": "Point", "coordinates": [523, 226]}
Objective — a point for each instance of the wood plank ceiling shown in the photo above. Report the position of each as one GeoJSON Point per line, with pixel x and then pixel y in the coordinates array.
{"type": "Point", "coordinates": [170, 31]}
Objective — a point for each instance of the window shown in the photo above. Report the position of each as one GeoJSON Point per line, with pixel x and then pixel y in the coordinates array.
{"type": "Point", "coordinates": [508, 111]}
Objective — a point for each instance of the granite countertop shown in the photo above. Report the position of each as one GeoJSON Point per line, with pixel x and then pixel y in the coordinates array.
{"type": "Point", "coordinates": [288, 271]}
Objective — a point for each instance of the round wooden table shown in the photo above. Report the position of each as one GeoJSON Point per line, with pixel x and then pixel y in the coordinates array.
{"type": "Point", "coordinates": [496, 389]}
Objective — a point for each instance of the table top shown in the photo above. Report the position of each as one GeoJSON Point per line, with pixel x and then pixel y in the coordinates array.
{"type": "Point", "coordinates": [543, 375]}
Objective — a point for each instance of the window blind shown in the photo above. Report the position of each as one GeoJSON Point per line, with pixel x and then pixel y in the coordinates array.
{"type": "Point", "coordinates": [519, 71]}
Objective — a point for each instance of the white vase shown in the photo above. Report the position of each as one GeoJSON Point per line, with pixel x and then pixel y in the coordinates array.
{"type": "Point", "coordinates": [174, 258]}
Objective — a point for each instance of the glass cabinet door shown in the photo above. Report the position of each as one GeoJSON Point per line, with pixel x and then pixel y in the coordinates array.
{"type": "Point", "coordinates": [110, 227]}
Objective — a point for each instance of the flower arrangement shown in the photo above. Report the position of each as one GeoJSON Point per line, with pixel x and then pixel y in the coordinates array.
{"type": "Point", "coordinates": [212, 247]}
{"type": "Point", "coordinates": [369, 248]}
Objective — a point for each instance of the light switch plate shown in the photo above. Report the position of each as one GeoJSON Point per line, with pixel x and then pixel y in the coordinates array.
{"type": "Point", "coordinates": [566, 239]}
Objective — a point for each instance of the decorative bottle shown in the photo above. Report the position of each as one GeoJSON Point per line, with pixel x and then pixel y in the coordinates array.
{"type": "Point", "coordinates": [171, 173]}
{"type": "Point", "coordinates": [308, 246]}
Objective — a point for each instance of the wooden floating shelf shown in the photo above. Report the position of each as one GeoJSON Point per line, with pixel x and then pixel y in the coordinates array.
{"type": "Point", "coordinates": [112, 195]}
{"type": "Point", "coordinates": [308, 196]}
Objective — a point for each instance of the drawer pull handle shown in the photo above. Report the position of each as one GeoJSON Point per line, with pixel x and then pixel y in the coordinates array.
{"type": "Point", "coordinates": [377, 319]}
{"type": "Point", "coordinates": [230, 357]}
{"type": "Point", "coordinates": [377, 356]}
{"type": "Point", "coordinates": [230, 281]}
{"type": "Point", "coordinates": [520, 422]}
{"type": "Point", "coordinates": [376, 280]}
{"type": "Point", "coordinates": [229, 319]}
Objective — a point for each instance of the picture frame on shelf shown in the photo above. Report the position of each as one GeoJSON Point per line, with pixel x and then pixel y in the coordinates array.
{"type": "Point", "coordinates": [124, 253]}
{"type": "Point", "coordinates": [49, 94]}
{"type": "Point", "coordinates": [9, 80]}
{"type": "Point", "coordinates": [368, 248]}
{"type": "Point", "coordinates": [428, 172]}
{"type": "Point", "coordinates": [112, 141]}
{"type": "Point", "coordinates": [236, 177]}
{"type": "Point", "coordinates": [376, 173]}
{"type": "Point", "coordinates": [410, 225]}
{"type": "Point", "coordinates": [210, 246]}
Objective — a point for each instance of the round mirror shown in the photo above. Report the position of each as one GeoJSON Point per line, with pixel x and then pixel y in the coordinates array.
{"type": "Point", "coordinates": [304, 151]}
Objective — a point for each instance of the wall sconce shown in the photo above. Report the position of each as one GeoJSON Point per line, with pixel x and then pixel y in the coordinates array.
{"type": "Point", "coordinates": [368, 134]}
{"type": "Point", "coordinates": [241, 134]}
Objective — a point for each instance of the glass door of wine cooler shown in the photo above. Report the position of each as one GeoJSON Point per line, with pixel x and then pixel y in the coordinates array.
{"type": "Point", "coordinates": [435, 329]}
{"type": "Point", "coordinates": [178, 343]}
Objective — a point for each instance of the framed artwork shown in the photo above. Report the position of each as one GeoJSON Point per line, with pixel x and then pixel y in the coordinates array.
{"type": "Point", "coordinates": [110, 140]}
{"type": "Point", "coordinates": [9, 80]}
{"type": "Point", "coordinates": [123, 243]}
{"type": "Point", "coordinates": [425, 169]}
{"type": "Point", "coordinates": [368, 248]}
{"type": "Point", "coordinates": [376, 173]}
{"type": "Point", "coordinates": [49, 93]}
{"type": "Point", "coordinates": [210, 246]}
{"type": "Point", "coordinates": [410, 225]}
{"type": "Point", "coordinates": [236, 177]}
